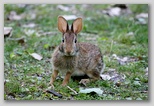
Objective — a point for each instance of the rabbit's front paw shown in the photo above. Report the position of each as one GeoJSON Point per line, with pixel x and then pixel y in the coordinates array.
{"type": "Point", "coordinates": [84, 81]}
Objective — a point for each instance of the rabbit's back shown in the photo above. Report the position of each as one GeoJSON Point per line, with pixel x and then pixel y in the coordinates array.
{"type": "Point", "coordinates": [89, 58]}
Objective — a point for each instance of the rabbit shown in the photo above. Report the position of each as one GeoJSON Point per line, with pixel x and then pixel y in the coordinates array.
{"type": "Point", "coordinates": [72, 57]}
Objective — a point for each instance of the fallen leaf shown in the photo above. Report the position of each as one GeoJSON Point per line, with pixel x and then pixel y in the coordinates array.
{"type": "Point", "coordinates": [23, 89]}
{"type": "Point", "coordinates": [130, 34]}
{"type": "Point", "coordinates": [5, 81]}
{"type": "Point", "coordinates": [113, 75]}
{"type": "Point", "coordinates": [113, 11]}
{"type": "Point", "coordinates": [137, 79]}
{"type": "Point", "coordinates": [7, 31]}
{"type": "Point", "coordinates": [19, 40]}
{"type": "Point", "coordinates": [142, 18]}
{"type": "Point", "coordinates": [117, 10]}
{"type": "Point", "coordinates": [13, 16]}
{"type": "Point", "coordinates": [64, 8]}
{"type": "Point", "coordinates": [129, 98]}
{"type": "Point", "coordinates": [127, 82]}
{"type": "Point", "coordinates": [46, 46]}
{"type": "Point", "coordinates": [12, 55]}
{"type": "Point", "coordinates": [32, 16]}
{"type": "Point", "coordinates": [90, 90]}
{"type": "Point", "coordinates": [30, 25]}
{"type": "Point", "coordinates": [142, 15]}
{"type": "Point", "coordinates": [146, 71]}
{"type": "Point", "coordinates": [29, 97]}
{"type": "Point", "coordinates": [136, 83]}
{"type": "Point", "coordinates": [117, 78]}
{"type": "Point", "coordinates": [36, 56]}
{"type": "Point", "coordinates": [11, 96]}
{"type": "Point", "coordinates": [138, 98]}
{"type": "Point", "coordinates": [39, 78]}
{"type": "Point", "coordinates": [70, 17]}
{"type": "Point", "coordinates": [30, 32]}
{"type": "Point", "coordinates": [142, 21]}
{"type": "Point", "coordinates": [105, 77]}
{"type": "Point", "coordinates": [124, 60]}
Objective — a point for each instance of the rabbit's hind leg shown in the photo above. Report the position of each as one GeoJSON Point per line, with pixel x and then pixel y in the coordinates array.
{"type": "Point", "coordinates": [93, 76]}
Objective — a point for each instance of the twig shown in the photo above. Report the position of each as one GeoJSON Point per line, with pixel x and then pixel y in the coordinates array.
{"type": "Point", "coordinates": [111, 47]}
{"type": "Point", "coordinates": [72, 90]}
{"type": "Point", "coordinates": [55, 93]}
{"type": "Point", "coordinates": [17, 39]}
{"type": "Point", "coordinates": [110, 50]}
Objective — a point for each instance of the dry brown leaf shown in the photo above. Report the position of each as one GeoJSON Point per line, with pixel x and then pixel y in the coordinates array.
{"type": "Point", "coordinates": [36, 56]}
{"type": "Point", "coordinates": [7, 31]}
{"type": "Point", "coordinates": [21, 41]}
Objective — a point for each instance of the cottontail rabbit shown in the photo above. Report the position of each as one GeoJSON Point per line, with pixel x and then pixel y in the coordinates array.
{"type": "Point", "coordinates": [70, 56]}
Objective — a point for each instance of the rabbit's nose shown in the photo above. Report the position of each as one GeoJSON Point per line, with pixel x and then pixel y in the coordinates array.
{"type": "Point", "coordinates": [68, 52]}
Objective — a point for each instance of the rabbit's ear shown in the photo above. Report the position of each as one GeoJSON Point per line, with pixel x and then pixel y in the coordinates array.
{"type": "Point", "coordinates": [77, 25]}
{"type": "Point", "coordinates": [62, 24]}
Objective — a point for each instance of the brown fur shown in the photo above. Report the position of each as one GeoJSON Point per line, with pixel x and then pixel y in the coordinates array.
{"type": "Point", "coordinates": [70, 57]}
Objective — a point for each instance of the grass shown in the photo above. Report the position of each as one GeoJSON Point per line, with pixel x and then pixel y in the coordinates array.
{"type": "Point", "coordinates": [27, 78]}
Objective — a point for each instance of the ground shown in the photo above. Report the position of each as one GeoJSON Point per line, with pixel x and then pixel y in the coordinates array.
{"type": "Point", "coordinates": [122, 38]}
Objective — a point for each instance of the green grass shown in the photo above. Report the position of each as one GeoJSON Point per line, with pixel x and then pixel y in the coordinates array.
{"type": "Point", "coordinates": [27, 78]}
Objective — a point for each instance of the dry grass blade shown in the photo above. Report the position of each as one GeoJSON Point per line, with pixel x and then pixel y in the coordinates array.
{"type": "Point", "coordinates": [72, 90]}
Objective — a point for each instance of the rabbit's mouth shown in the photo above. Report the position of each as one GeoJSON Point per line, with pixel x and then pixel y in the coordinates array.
{"type": "Point", "coordinates": [70, 54]}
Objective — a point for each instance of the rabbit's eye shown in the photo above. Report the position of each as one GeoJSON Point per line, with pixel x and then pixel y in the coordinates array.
{"type": "Point", "coordinates": [63, 40]}
{"type": "Point", "coordinates": [75, 40]}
